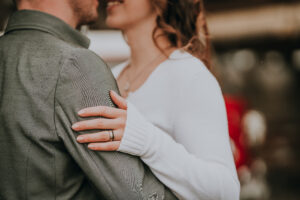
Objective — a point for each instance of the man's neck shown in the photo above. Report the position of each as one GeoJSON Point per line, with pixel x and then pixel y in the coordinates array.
{"type": "Point", "coordinates": [59, 9]}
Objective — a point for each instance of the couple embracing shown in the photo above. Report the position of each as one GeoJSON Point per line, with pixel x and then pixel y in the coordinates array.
{"type": "Point", "coordinates": [153, 128]}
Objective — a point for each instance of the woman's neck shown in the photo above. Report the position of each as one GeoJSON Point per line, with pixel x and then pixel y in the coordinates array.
{"type": "Point", "coordinates": [142, 46]}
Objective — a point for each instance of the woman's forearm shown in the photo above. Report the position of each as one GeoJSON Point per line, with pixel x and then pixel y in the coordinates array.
{"type": "Point", "coordinates": [187, 175]}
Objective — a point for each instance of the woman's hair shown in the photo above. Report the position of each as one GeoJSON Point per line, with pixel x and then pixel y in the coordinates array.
{"type": "Point", "coordinates": [183, 22]}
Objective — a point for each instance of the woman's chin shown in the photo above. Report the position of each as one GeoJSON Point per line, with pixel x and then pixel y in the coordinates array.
{"type": "Point", "coordinates": [113, 24]}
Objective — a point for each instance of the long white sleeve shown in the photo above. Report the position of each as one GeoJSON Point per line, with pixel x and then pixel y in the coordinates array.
{"type": "Point", "coordinates": [197, 162]}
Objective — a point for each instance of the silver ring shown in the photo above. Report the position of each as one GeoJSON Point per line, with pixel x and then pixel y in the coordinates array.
{"type": "Point", "coordinates": [111, 135]}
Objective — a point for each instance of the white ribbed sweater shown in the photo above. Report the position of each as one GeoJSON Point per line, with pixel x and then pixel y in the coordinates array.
{"type": "Point", "coordinates": [177, 124]}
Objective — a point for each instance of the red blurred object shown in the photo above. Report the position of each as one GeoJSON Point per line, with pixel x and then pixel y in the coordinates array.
{"type": "Point", "coordinates": [236, 108]}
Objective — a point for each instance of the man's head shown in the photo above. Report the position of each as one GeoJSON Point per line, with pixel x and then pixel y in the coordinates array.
{"type": "Point", "coordinates": [73, 12]}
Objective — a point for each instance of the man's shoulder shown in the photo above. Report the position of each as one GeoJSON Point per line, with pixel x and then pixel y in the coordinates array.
{"type": "Point", "coordinates": [82, 54]}
{"type": "Point", "coordinates": [86, 61]}
{"type": "Point", "coordinates": [83, 65]}
{"type": "Point", "coordinates": [86, 79]}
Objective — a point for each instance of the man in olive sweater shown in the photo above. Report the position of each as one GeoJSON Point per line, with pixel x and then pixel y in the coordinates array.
{"type": "Point", "coordinates": [46, 76]}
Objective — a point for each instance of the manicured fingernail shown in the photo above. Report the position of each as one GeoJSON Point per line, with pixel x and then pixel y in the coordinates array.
{"type": "Point", "coordinates": [91, 146]}
{"type": "Point", "coordinates": [80, 139]}
{"type": "Point", "coordinates": [75, 126]}
{"type": "Point", "coordinates": [80, 112]}
{"type": "Point", "coordinates": [113, 92]}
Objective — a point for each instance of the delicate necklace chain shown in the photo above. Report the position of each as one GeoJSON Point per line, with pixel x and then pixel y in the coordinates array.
{"type": "Point", "coordinates": [131, 80]}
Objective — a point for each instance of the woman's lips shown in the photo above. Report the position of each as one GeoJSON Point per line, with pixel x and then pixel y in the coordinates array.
{"type": "Point", "coordinates": [113, 3]}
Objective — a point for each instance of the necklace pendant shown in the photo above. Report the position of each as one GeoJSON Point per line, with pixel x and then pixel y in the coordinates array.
{"type": "Point", "coordinates": [127, 87]}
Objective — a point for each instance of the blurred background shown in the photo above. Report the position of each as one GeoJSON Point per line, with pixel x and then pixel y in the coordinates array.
{"type": "Point", "coordinates": [256, 52]}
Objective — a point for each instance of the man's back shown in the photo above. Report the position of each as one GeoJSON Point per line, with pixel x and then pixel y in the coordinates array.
{"type": "Point", "coordinates": [29, 72]}
{"type": "Point", "coordinates": [46, 75]}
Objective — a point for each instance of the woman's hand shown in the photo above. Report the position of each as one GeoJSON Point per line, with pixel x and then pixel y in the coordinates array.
{"type": "Point", "coordinates": [114, 120]}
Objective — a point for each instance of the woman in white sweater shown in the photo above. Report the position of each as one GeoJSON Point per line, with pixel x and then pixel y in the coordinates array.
{"type": "Point", "coordinates": [174, 116]}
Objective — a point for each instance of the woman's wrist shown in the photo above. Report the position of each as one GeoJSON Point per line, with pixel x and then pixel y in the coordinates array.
{"type": "Point", "coordinates": [137, 135]}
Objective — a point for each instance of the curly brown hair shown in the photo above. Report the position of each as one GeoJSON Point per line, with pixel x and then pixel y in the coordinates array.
{"type": "Point", "coordinates": [183, 22]}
